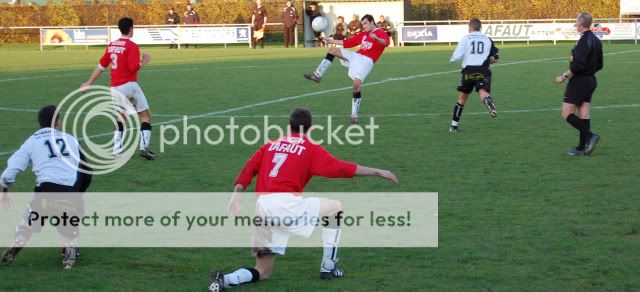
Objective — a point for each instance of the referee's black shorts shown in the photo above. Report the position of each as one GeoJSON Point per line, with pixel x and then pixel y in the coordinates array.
{"type": "Point", "coordinates": [580, 89]}
{"type": "Point", "coordinates": [478, 77]}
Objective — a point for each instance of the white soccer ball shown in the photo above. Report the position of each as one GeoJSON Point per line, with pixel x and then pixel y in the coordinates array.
{"type": "Point", "coordinates": [319, 24]}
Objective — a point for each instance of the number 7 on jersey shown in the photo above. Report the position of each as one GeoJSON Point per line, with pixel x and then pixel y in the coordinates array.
{"type": "Point", "coordinates": [278, 159]}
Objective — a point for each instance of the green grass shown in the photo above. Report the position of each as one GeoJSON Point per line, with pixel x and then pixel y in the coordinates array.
{"type": "Point", "coordinates": [515, 213]}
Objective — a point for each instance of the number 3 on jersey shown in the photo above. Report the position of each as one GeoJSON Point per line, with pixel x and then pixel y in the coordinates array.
{"type": "Point", "coordinates": [114, 61]}
{"type": "Point", "coordinates": [278, 159]}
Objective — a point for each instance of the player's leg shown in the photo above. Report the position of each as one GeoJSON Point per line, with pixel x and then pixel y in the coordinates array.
{"type": "Point", "coordinates": [332, 211]}
{"type": "Point", "coordinates": [464, 88]}
{"type": "Point", "coordinates": [121, 105]}
{"type": "Point", "coordinates": [487, 100]}
{"type": "Point", "coordinates": [142, 107]}
{"type": "Point", "coordinates": [118, 134]}
{"type": "Point", "coordinates": [356, 100]}
{"type": "Point", "coordinates": [457, 111]}
{"type": "Point", "coordinates": [26, 227]}
{"type": "Point", "coordinates": [324, 65]}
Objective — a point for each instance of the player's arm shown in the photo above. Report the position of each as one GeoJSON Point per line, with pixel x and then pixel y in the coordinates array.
{"type": "Point", "coordinates": [370, 171]}
{"type": "Point", "coordinates": [494, 53]}
{"type": "Point", "coordinates": [378, 39]}
{"type": "Point", "coordinates": [102, 65]}
{"type": "Point", "coordinates": [244, 179]}
{"type": "Point", "coordinates": [348, 43]}
{"type": "Point", "coordinates": [17, 163]}
{"type": "Point", "coordinates": [135, 63]}
{"type": "Point", "coordinates": [459, 52]}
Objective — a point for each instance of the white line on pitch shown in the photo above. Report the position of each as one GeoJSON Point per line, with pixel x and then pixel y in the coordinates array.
{"type": "Point", "coordinates": [294, 97]}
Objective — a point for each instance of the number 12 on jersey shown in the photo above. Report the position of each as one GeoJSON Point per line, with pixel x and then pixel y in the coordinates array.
{"type": "Point", "coordinates": [278, 159]}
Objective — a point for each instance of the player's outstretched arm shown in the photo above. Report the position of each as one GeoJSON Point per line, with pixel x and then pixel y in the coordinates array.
{"type": "Point", "coordinates": [5, 201]}
{"type": "Point", "coordinates": [234, 203]}
{"type": "Point", "coordinates": [370, 171]}
{"type": "Point", "coordinates": [94, 76]}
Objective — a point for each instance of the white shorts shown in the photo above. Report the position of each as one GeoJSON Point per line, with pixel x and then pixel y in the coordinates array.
{"type": "Point", "coordinates": [288, 214]}
{"type": "Point", "coordinates": [128, 98]}
{"type": "Point", "coordinates": [359, 65]}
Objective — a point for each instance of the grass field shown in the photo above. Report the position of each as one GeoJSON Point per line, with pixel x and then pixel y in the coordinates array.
{"type": "Point", "coordinates": [515, 212]}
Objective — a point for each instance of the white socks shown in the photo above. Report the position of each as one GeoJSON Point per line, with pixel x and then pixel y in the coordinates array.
{"type": "Point", "coordinates": [330, 240]}
{"type": "Point", "coordinates": [324, 65]}
{"type": "Point", "coordinates": [355, 106]}
{"type": "Point", "coordinates": [145, 138]}
{"type": "Point", "coordinates": [117, 142]}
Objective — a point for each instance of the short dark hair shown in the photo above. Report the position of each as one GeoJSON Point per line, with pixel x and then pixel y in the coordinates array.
{"type": "Point", "coordinates": [47, 116]}
{"type": "Point", "coordinates": [125, 25]}
{"type": "Point", "coordinates": [475, 24]}
{"type": "Point", "coordinates": [368, 17]}
{"type": "Point", "coordinates": [300, 120]}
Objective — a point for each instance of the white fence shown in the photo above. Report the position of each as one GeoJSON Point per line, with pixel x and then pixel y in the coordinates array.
{"type": "Point", "coordinates": [517, 30]}
{"type": "Point", "coordinates": [148, 34]}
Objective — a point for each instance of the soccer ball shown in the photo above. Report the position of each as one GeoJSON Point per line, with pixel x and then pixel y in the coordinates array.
{"type": "Point", "coordinates": [319, 24]}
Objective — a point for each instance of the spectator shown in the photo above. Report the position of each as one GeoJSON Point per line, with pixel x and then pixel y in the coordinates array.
{"type": "Point", "coordinates": [354, 27]}
{"type": "Point", "coordinates": [191, 18]}
{"type": "Point", "coordinates": [340, 29]}
{"type": "Point", "coordinates": [172, 18]}
{"type": "Point", "coordinates": [313, 13]}
{"type": "Point", "coordinates": [258, 23]}
{"type": "Point", "coordinates": [386, 26]}
{"type": "Point", "coordinates": [289, 20]}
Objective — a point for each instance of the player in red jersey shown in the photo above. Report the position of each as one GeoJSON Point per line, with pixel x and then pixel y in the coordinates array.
{"type": "Point", "coordinates": [123, 56]}
{"type": "Point", "coordinates": [284, 167]}
{"type": "Point", "coordinates": [372, 41]}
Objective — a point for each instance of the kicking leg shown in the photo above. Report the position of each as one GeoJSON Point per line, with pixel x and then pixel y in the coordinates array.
{"type": "Point", "coordinates": [262, 271]}
{"type": "Point", "coordinates": [355, 102]}
{"type": "Point", "coordinates": [486, 99]}
{"type": "Point", "coordinates": [457, 111]}
{"type": "Point", "coordinates": [23, 234]}
{"type": "Point", "coordinates": [145, 135]}
{"type": "Point", "coordinates": [324, 65]}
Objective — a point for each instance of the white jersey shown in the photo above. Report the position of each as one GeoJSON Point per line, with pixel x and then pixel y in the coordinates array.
{"type": "Point", "coordinates": [475, 49]}
{"type": "Point", "coordinates": [54, 158]}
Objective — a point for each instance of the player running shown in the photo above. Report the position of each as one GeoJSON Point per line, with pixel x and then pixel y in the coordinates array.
{"type": "Point", "coordinates": [55, 158]}
{"type": "Point", "coordinates": [477, 52]}
{"type": "Point", "coordinates": [284, 167]}
{"type": "Point", "coordinates": [123, 56]}
{"type": "Point", "coordinates": [372, 41]}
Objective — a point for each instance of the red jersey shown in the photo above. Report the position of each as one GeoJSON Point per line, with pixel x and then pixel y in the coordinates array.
{"type": "Point", "coordinates": [123, 56]}
{"type": "Point", "coordinates": [368, 47]}
{"type": "Point", "coordinates": [286, 165]}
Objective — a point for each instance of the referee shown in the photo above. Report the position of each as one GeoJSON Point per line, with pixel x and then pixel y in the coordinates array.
{"type": "Point", "coordinates": [586, 60]}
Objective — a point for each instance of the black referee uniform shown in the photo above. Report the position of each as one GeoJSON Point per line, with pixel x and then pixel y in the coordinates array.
{"type": "Point", "coordinates": [586, 61]}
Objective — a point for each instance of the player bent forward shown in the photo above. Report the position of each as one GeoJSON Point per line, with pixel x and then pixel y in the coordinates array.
{"type": "Point", "coordinates": [372, 41]}
{"type": "Point", "coordinates": [123, 56]}
{"type": "Point", "coordinates": [477, 52]}
{"type": "Point", "coordinates": [55, 159]}
{"type": "Point", "coordinates": [284, 167]}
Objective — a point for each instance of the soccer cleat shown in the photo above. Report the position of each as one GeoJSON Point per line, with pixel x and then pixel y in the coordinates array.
{"type": "Point", "coordinates": [576, 152]}
{"type": "Point", "coordinates": [10, 255]}
{"type": "Point", "coordinates": [329, 270]}
{"type": "Point", "coordinates": [147, 154]}
{"type": "Point", "coordinates": [591, 144]}
{"type": "Point", "coordinates": [217, 282]}
{"type": "Point", "coordinates": [70, 257]}
{"type": "Point", "coordinates": [491, 107]}
{"type": "Point", "coordinates": [354, 119]}
{"type": "Point", "coordinates": [312, 77]}
{"type": "Point", "coordinates": [117, 148]}
{"type": "Point", "coordinates": [453, 129]}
